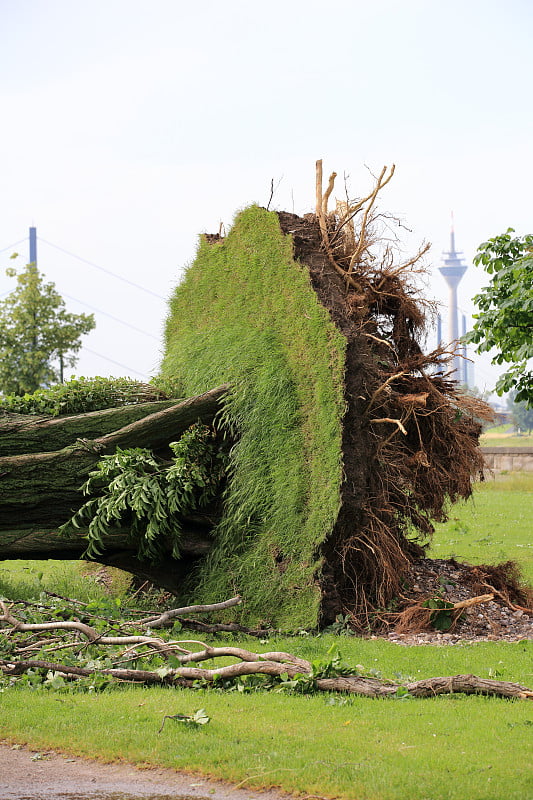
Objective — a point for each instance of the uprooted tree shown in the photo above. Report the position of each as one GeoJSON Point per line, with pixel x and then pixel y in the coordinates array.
{"type": "Point", "coordinates": [303, 338]}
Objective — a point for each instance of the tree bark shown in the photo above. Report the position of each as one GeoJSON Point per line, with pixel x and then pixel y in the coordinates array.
{"type": "Point", "coordinates": [367, 687]}
{"type": "Point", "coordinates": [21, 433]}
{"type": "Point", "coordinates": [41, 490]}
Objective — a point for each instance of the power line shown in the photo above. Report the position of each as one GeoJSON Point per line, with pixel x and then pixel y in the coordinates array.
{"type": "Point", "coordinates": [20, 241]}
{"type": "Point", "coordinates": [103, 269]}
{"type": "Point", "coordinates": [83, 303]}
{"type": "Point", "coordinates": [105, 314]}
{"type": "Point", "coordinates": [111, 361]}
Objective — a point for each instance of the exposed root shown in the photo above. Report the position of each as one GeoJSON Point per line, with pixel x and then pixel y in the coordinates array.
{"type": "Point", "coordinates": [410, 436]}
{"type": "Point", "coordinates": [504, 580]}
{"type": "Point", "coordinates": [422, 616]}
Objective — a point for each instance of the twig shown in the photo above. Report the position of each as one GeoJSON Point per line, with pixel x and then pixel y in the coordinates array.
{"type": "Point", "coordinates": [361, 246]}
{"type": "Point", "coordinates": [321, 202]}
{"type": "Point", "coordinates": [162, 619]}
{"type": "Point", "coordinates": [271, 193]}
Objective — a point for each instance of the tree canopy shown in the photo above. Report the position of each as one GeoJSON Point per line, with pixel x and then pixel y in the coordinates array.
{"type": "Point", "coordinates": [38, 337]}
{"type": "Point", "coordinates": [522, 414]}
{"type": "Point", "coordinates": [505, 317]}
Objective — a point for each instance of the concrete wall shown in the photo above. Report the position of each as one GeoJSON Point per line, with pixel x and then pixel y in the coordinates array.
{"type": "Point", "coordinates": [510, 459]}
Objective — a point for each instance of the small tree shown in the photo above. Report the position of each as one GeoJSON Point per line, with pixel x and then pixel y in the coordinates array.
{"type": "Point", "coordinates": [38, 337]}
{"type": "Point", "coordinates": [522, 415]}
{"type": "Point", "coordinates": [505, 318]}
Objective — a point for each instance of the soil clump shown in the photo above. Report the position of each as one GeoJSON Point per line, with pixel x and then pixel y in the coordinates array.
{"type": "Point", "coordinates": [508, 616]}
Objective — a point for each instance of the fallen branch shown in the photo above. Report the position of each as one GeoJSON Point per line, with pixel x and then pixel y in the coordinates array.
{"type": "Point", "coordinates": [167, 616]}
{"type": "Point", "coordinates": [367, 687]}
{"type": "Point", "coordinates": [284, 668]}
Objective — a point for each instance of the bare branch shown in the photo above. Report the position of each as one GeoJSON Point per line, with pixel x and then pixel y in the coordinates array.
{"type": "Point", "coordinates": [368, 687]}
{"type": "Point", "coordinates": [163, 619]}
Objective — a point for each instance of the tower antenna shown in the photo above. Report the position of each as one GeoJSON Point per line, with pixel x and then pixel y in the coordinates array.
{"type": "Point", "coordinates": [452, 271]}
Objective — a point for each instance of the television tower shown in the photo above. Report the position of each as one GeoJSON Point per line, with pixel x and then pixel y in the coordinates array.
{"type": "Point", "coordinates": [452, 271]}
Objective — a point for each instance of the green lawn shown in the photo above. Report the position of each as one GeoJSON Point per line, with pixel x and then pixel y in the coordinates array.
{"type": "Point", "coordinates": [493, 526]}
{"type": "Point", "coordinates": [20, 579]}
{"type": "Point", "coordinates": [445, 748]}
{"type": "Point", "coordinates": [449, 747]}
{"type": "Point", "coordinates": [506, 441]}
{"type": "Point", "coordinates": [505, 436]}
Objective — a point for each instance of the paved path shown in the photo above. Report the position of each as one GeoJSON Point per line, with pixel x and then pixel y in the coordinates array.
{"type": "Point", "coordinates": [27, 774]}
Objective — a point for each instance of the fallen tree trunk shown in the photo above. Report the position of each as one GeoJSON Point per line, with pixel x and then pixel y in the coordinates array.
{"type": "Point", "coordinates": [41, 490]}
{"type": "Point", "coordinates": [22, 433]}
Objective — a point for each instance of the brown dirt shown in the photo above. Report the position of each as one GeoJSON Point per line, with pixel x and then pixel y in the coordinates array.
{"type": "Point", "coordinates": [27, 774]}
{"type": "Point", "coordinates": [397, 477]}
{"type": "Point", "coordinates": [507, 617]}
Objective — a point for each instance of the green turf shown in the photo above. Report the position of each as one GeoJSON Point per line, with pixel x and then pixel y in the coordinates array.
{"type": "Point", "coordinates": [487, 440]}
{"type": "Point", "coordinates": [446, 748]}
{"type": "Point", "coordinates": [23, 580]}
{"type": "Point", "coordinates": [495, 525]}
{"type": "Point", "coordinates": [246, 313]}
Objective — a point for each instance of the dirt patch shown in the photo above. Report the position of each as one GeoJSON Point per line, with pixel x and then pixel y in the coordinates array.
{"type": "Point", "coordinates": [45, 775]}
{"type": "Point", "coordinates": [508, 616]}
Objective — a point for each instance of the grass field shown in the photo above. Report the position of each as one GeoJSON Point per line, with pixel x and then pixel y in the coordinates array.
{"type": "Point", "coordinates": [495, 525]}
{"type": "Point", "coordinates": [452, 747]}
{"type": "Point", "coordinates": [20, 580]}
{"type": "Point", "coordinates": [505, 436]}
{"type": "Point", "coordinates": [445, 748]}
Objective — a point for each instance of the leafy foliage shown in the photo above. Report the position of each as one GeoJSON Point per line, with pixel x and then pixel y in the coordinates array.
{"type": "Point", "coordinates": [521, 413]}
{"type": "Point", "coordinates": [441, 619]}
{"type": "Point", "coordinates": [35, 332]}
{"type": "Point", "coordinates": [505, 313]}
{"type": "Point", "coordinates": [195, 720]}
{"type": "Point", "coordinates": [79, 395]}
{"type": "Point", "coordinates": [150, 495]}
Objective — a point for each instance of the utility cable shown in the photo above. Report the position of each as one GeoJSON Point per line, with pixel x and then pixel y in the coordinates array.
{"type": "Point", "coordinates": [103, 269]}
{"type": "Point", "coordinates": [111, 361]}
{"type": "Point", "coordinates": [105, 314]}
{"type": "Point", "coordinates": [20, 241]}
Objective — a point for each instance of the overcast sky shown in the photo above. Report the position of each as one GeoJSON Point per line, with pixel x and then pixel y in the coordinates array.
{"type": "Point", "coordinates": [131, 126]}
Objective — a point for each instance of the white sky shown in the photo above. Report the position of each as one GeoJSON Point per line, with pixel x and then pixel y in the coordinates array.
{"type": "Point", "coordinates": [130, 126]}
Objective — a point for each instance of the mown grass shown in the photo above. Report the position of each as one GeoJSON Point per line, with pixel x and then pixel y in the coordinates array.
{"type": "Point", "coordinates": [495, 525]}
{"type": "Point", "coordinates": [506, 441]}
{"type": "Point", "coordinates": [446, 748]}
{"type": "Point", "coordinates": [505, 436]}
{"type": "Point", "coordinates": [23, 580]}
